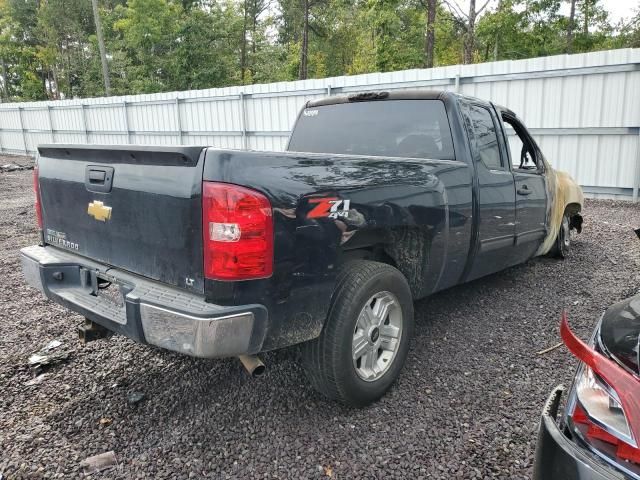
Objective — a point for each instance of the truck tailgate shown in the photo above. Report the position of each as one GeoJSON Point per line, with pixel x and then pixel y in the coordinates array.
{"type": "Point", "coordinates": [133, 207]}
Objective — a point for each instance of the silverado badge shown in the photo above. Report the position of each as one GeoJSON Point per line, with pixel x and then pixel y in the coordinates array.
{"type": "Point", "coordinates": [99, 211]}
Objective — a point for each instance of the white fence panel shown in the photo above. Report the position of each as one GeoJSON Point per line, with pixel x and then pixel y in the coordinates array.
{"type": "Point", "coordinates": [584, 110]}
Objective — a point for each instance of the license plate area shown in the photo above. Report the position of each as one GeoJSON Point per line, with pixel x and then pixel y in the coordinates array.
{"type": "Point", "coordinates": [87, 289]}
{"type": "Point", "coordinates": [110, 292]}
{"type": "Point", "coordinates": [109, 289]}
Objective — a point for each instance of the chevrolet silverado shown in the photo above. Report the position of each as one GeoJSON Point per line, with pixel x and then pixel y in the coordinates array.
{"type": "Point", "coordinates": [380, 199]}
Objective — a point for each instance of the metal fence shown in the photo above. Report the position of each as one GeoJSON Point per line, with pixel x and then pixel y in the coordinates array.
{"type": "Point", "coordinates": [584, 111]}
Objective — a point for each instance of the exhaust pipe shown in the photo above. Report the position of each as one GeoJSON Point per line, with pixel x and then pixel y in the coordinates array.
{"type": "Point", "coordinates": [253, 365]}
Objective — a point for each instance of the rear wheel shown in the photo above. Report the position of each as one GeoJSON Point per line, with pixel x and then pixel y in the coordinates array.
{"type": "Point", "coordinates": [562, 245]}
{"type": "Point", "coordinates": [365, 341]}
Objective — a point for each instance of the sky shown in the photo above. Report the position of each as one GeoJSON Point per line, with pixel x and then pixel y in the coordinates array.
{"type": "Point", "coordinates": [619, 9]}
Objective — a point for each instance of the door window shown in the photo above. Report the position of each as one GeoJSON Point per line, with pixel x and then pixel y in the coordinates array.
{"type": "Point", "coordinates": [483, 135]}
{"type": "Point", "coordinates": [521, 148]}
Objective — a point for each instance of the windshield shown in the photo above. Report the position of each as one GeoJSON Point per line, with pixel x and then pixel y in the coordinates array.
{"type": "Point", "coordinates": [392, 128]}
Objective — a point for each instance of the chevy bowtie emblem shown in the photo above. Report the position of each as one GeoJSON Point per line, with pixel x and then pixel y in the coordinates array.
{"type": "Point", "coordinates": [99, 211]}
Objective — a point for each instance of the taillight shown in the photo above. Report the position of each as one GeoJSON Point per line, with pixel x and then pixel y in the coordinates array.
{"type": "Point", "coordinates": [237, 224]}
{"type": "Point", "coordinates": [606, 398]}
{"type": "Point", "coordinates": [38, 204]}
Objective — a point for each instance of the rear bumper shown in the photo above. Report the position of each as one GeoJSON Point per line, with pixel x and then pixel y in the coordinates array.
{"type": "Point", "coordinates": [149, 311]}
{"type": "Point", "coordinates": [560, 458]}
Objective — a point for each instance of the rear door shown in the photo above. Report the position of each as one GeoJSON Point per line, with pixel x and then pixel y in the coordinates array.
{"type": "Point", "coordinates": [135, 208]}
{"type": "Point", "coordinates": [496, 191]}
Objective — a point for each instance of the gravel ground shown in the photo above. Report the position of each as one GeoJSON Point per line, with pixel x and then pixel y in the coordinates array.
{"type": "Point", "coordinates": [467, 405]}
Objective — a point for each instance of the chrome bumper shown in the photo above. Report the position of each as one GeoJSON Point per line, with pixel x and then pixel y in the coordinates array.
{"type": "Point", "coordinates": [150, 312]}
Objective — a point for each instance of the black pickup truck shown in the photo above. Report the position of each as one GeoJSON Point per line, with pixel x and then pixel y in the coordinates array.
{"type": "Point", "coordinates": [381, 199]}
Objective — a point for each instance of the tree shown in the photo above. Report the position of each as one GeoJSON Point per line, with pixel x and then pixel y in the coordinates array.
{"type": "Point", "coordinates": [206, 55]}
{"type": "Point", "coordinates": [503, 33]}
{"type": "Point", "coordinates": [596, 31]}
{"type": "Point", "coordinates": [630, 32]}
{"type": "Point", "coordinates": [571, 26]}
{"type": "Point", "coordinates": [469, 22]}
{"type": "Point", "coordinates": [25, 74]}
{"type": "Point", "coordinates": [299, 20]}
{"type": "Point", "coordinates": [496, 47]}
{"type": "Point", "coordinates": [252, 32]}
{"type": "Point", "coordinates": [539, 29]}
{"type": "Point", "coordinates": [52, 48]}
{"type": "Point", "coordinates": [391, 36]}
{"type": "Point", "coordinates": [304, 47]}
{"type": "Point", "coordinates": [6, 50]}
{"type": "Point", "coordinates": [101, 48]}
{"type": "Point", "coordinates": [307, 10]}
{"type": "Point", "coordinates": [429, 45]}
{"type": "Point", "coordinates": [151, 42]}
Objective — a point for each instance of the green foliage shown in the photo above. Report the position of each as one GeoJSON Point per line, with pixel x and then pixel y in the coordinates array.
{"type": "Point", "coordinates": [630, 32]}
{"type": "Point", "coordinates": [49, 48]}
{"type": "Point", "coordinates": [206, 52]}
{"type": "Point", "coordinates": [150, 41]}
{"type": "Point", "coordinates": [532, 28]}
{"type": "Point", "coordinates": [391, 36]}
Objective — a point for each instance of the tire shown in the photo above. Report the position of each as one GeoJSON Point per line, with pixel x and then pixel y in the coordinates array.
{"type": "Point", "coordinates": [562, 244]}
{"type": "Point", "coordinates": [367, 294]}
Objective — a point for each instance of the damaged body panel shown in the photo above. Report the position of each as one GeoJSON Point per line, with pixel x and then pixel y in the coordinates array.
{"type": "Point", "coordinates": [566, 199]}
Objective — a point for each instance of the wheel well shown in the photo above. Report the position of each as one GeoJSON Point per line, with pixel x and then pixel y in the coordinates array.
{"type": "Point", "coordinates": [407, 250]}
{"type": "Point", "coordinates": [375, 253]}
{"type": "Point", "coordinates": [575, 219]}
{"type": "Point", "coordinates": [572, 208]}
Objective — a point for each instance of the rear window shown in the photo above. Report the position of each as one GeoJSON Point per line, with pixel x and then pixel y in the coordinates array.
{"type": "Point", "coordinates": [392, 128]}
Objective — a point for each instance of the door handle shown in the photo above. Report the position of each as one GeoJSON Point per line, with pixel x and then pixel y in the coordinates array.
{"type": "Point", "coordinates": [524, 190]}
{"type": "Point", "coordinates": [98, 178]}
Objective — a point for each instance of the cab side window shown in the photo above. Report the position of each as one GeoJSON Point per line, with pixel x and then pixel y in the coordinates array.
{"type": "Point", "coordinates": [482, 133]}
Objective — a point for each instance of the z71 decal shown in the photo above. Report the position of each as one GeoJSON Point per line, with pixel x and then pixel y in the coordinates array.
{"type": "Point", "coordinates": [329, 207]}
